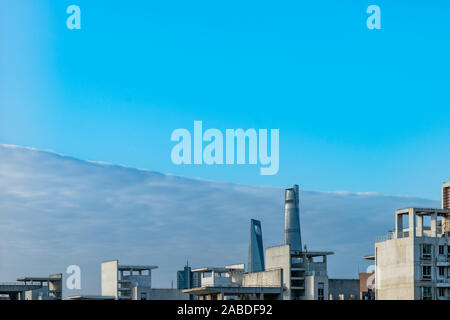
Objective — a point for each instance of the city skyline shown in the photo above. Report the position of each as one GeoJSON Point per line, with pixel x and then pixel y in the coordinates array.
{"type": "Point", "coordinates": [57, 211]}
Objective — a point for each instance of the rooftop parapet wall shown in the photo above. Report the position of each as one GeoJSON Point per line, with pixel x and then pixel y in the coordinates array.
{"type": "Point", "coordinates": [268, 278]}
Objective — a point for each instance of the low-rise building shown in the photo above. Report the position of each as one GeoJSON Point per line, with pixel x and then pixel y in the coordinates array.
{"type": "Point", "coordinates": [134, 282]}
{"type": "Point", "coordinates": [34, 288]}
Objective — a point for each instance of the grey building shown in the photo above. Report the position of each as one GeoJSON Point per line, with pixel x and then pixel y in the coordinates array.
{"type": "Point", "coordinates": [186, 279]}
{"type": "Point", "coordinates": [292, 233]}
{"type": "Point", "coordinates": [290, 272]}
{"type": "Point", "coordinates": [33, 288]}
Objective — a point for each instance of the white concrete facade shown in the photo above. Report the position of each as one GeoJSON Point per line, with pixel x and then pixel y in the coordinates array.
{"type": "Point", "coordinates": [412, 263]}
{"type": "Point", "coordinates": [305, 275]}
{"type": "Point", "coordinates": [132, 282]}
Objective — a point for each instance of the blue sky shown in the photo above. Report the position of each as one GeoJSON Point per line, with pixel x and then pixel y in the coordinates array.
{"type": "Point", "coordinates": [358, 109]}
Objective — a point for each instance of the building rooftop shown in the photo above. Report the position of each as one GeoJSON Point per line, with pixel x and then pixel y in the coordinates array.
{"type": "Point", "coordinates": [312, 253]}
{"type": "Point", "coordinates": [234, 290]}
{"type": "Point", "coordinates": [136, 267]}
{"type": "Point", "coordinates": [38, 279]}
{"type": "Point", "coordinates": [225, 269]}
{"type": "Point", "coordinates": [423, 210]}
{"type": "Point", "coordinates": [91, 297]}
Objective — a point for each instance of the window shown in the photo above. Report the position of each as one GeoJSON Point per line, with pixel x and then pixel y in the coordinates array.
{"type": "Point", "coordinates": [320, 295]}
{"type": "Point", "coordinates": [426, 293]}
{"type": "Point", "coordinates": [426, 272]}
{"type": "Point", "coordinates": [426, 250]}
{"type": "Point", "coordinates": [441, 250]}
{"type": "Point", "coordinates": [441, 271]}
{"type": "Point", "coordinates": [143, 295]}
{"type": "Point", "coordinates": [441, 292]}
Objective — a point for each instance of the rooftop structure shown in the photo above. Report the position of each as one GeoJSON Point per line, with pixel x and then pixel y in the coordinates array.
{"type": "Point", "coordinates": [134, 282]}
{"type": "Point", "coordinates": [34, 288]}
{"type": "Point", "coordinates": [288, 272]}
{"type": "Point", "coordinates": [231, 283]}
{"type": "Point", "coordinates": [121, 281]}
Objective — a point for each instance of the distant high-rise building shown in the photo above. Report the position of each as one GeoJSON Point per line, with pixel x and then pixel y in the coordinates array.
{"type": "Point", "coordinates": [292, 234]}
{"type": "Point", "coordinates": [186, 279]}
{"type": "Point", "coordinates": [256, 250]}
{"type": "Point", "coordinates": [446, 196]}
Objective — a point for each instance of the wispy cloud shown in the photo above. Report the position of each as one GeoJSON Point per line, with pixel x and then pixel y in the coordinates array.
{"type": "Point", "coordinates": [56, 211]}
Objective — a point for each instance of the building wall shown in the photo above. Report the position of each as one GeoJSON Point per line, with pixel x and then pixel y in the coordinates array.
{"type": "Point", "coordinates": [268, 278]}
{"type": "Point", "coordinates": [366, 279]}
{"type": "Point", "coordinates": [312, 285]}
{"type": "Point", "coordinates": [38, 294]}
{"type": "Point", "coordinates": [279, 257]}
{"type": "Point", "coordinates": [349, 289]}
{"type": "Point", "coordinates": [56, 286]}
{"type": "Point", "coordinates": [109, 278]}
{"type": "Point", "coordinates": [395, 269]}
{"type": "Point", "coordinates": [139, 293]}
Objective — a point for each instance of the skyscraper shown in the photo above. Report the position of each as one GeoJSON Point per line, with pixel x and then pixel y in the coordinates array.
{"type": "Point", "coordinates": [186, 279]}
{"type": "Point", "coordinates": [256, 249]}
{"type": "Point", "coordinates": [292, 234]}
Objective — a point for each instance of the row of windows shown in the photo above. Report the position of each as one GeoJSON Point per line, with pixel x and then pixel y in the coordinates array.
{"type": "Point", "coordinates": [426, 272]}
{"type": "Point", "coordinates": [427, 293]}
{"type": "Point", "coordinates": [427, 250]}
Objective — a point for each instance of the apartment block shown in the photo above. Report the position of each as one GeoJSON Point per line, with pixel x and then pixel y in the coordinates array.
{"type": "Point", "coordinates": [413, 261]}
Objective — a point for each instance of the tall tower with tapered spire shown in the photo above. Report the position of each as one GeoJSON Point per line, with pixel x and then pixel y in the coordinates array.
{"type": "Point", "coordinates": [292, 235]}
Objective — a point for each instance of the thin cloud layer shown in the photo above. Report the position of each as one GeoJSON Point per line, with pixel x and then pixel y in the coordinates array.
{"type": "Point", "coordinates": [56, 211]}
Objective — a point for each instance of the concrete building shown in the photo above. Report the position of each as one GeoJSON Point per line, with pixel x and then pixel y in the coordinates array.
{"type": "Point", "coordinates": [344, 289]}
{"type": "Point", "coordinates": [305, 274]}
{"type": "Point", "coordinates": [34, 288]}
{"type": "Point", "coordinates": [413, 261]}
{"type": "Point", "coordinates": [291, 272]}
{"type": "Point", "coordinates": [231, 283]}
{"type": "Point", "coordinates": [256, 248]}
{"type": "Point", "coordinates": [134, 282]}
{"type": "Point", "coordinates": [367, 285]}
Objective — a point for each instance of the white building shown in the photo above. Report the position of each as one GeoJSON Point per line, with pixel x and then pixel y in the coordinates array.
{"type": "Point", "coordinates": [133, 282]}
{"type": "Point", "coordinates": [413, 261]}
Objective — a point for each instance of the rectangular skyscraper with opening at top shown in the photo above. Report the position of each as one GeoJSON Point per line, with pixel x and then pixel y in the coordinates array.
{"type": "Point", "coordinates": [256, 250]}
